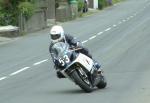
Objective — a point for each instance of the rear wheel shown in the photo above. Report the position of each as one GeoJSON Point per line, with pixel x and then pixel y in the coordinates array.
{"type": "Point", "coordinates": [80, 77]}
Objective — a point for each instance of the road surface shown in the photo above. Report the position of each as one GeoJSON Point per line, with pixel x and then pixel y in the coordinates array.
{"type": "Point", "coordinates": [118, 37]}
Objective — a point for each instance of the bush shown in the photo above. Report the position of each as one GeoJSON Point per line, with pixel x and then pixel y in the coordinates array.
{"type": "Point", "coordinates": [11, 9]}
{"type": "Point", "coordinates": [8, 16]}
{"type": "Point", "coordinates": [80, 5]}
{"type": "Point", "coordinates": [5, 18]}
{"type": "Point", "coordinates": [26, 8]}
{"type": "Point", "coordinates": [102, 4]}
{"type": "Point", "coordinates": [115, 1]}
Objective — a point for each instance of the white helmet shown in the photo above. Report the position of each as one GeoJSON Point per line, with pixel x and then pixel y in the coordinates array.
{"type": "Point", "coordinates": [57, 33]}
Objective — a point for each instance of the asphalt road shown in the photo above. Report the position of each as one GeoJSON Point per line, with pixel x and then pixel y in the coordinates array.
{"type": "Point", "coordinates": [118, 37]}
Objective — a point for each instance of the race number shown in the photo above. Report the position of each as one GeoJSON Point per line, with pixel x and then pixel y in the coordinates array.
{"type": "Point", "coordinates": [67, 60]}
{"type": "Point", "coordinates": [64, 60]}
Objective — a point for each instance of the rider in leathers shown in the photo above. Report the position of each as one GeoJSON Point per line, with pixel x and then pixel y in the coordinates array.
{"type": "Point", "coordinates": [57, 35]}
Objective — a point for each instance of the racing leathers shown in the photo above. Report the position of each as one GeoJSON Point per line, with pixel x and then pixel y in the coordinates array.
{"type": "Point", "coordinates": [73, 42]}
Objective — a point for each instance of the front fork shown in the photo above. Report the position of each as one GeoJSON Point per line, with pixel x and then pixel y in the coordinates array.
{"type": "Point", "coordinates": [95, 76]}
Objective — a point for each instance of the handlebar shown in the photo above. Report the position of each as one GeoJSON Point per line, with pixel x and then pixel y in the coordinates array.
{"type": "Point", "coordinates": [75, 49]}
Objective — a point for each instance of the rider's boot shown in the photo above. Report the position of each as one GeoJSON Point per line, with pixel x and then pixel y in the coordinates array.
{"type": "Point", "coordinates": [98, 67]}
{"type": "Point", "coordinates": [59, 74]}
{"type": "Point", "coordinates": [97, 73]}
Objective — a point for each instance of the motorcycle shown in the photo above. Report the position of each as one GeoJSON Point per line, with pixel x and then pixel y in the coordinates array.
{"type": "Point", "coordinates": [78, 67]}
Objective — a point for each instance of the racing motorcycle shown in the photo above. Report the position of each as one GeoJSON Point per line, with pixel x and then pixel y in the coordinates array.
{"type": "Point", "coordinates": [78, 67]}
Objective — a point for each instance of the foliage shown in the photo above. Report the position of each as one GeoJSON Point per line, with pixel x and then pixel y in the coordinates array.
{"type": "Point", "coordinates": [102, 3]}
{"type": "Point", "coordinates": [11, 9]}
{"type": "Point", "coordinates": [26, 8]}
{"type": "Point", "coordinates": [115, 1]}
{"type": "Point", "coordinates": [80, 5]}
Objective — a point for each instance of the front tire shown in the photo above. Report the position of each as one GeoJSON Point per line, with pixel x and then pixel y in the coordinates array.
{"type": "Point", "coordinates": [103, 83]}
{"type": "Point", "coordinates": [78, 79]}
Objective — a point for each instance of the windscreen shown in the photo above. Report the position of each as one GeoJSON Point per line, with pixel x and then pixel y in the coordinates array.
{"type": "Point", "coordinates": [59, 49]}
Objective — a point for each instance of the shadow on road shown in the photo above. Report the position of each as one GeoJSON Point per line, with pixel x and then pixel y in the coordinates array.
{"type": "Point", "coordinates": [73, 91]}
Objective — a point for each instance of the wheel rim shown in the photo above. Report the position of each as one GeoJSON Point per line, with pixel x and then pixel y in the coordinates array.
{"type": "Point", "coordinates": [84, 77]}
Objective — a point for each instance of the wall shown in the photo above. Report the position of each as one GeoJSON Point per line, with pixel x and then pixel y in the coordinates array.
{"type": "Point", "coordinates": [43, 17]}
{"type": "Point", "coordinates": [93, 4]}
{"type": "Point", "coordinates": [51, 12]}
{"type": "Point", "coordinates": [63, 12]}
{"type": "Point", "coordinates": [66, 11]}
{"type": "Point", "coordinates": [36, 22]}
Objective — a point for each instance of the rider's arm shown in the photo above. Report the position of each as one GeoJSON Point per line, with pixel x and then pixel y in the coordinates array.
{"type": "Point", "coordinates": [51, 52]}
{"type": "Point", "coordinates": [72, 40]}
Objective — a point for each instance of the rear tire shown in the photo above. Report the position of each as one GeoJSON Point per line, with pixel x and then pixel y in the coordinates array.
{"type": "Point", "coordinates": [80, 82]}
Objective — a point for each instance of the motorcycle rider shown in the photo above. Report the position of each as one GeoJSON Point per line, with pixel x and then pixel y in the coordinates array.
{"type": "Point", "coordinates": [57, 35]}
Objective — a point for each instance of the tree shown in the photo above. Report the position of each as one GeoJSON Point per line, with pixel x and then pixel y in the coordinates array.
{"type": "Point", "coordinates": [11, 9]}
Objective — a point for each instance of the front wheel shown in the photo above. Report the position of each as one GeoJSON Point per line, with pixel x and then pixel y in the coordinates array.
{"type": "Point", "coordinates": [82, 81]}
{"type": "Point", "coordinates": [103, 83]}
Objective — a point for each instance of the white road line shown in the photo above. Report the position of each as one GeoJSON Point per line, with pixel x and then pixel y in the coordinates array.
{"type": "Point", "coordinates": [119, 22]}
{"type": "Point", "coordinates": [2, 78]}
{"type": "Point", "coordinates": [124, 20]}
{"type": "Point", "coordinates": [128, 18]}
{"type": "Point", "coordinates": [85, 41]}
{"type": "Point", "coordinates": [135, 14]}
{"type": "Point", "coordinates": [99, 33]}
{"type": "Point", "coordinates": [92, 37]}
{"type": "Point", "coordinates": [131, 16]}
{"type": "Point", "coordinates": [108, 29]}
{"type": "Point", "coordinates": [37, 63]}
{"type": "Point", "coordinates": [21, 70]}
{"type": "Point", "coordinates": [114, 25]}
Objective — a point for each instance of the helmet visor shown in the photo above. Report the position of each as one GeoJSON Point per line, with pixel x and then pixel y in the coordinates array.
{"type": "Point", "coordinates": [56, 36]}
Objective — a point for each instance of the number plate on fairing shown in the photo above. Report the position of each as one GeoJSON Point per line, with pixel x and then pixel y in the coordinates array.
{"type": "Point", "coordinates": [85, 61]}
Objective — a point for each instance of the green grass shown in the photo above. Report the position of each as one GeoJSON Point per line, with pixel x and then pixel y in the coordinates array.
{"type": "Point", "coordinates": [115, 1]}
